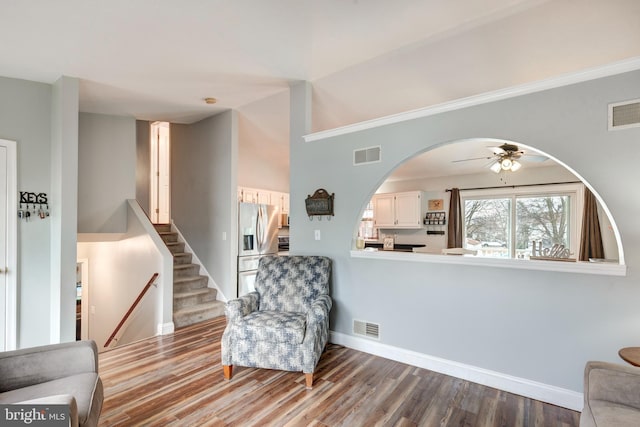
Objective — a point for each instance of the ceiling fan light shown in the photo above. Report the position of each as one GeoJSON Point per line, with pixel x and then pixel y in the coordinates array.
{"type": "Point", "coordinates": [506, 164]}
{"type": "Point", "coordinates": [496, 167]}
{"type": "Point", "coordinates": [515, 166]}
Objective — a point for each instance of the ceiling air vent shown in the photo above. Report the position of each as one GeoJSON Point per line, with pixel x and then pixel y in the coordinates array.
{"type": "Point", "coordinates": [366, 155]}
{"type": "Point", "coordinates": [367, 329]}
{"type": "Point", "coordinates": [624, 115]}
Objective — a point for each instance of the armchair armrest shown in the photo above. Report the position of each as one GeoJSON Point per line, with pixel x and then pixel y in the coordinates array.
{"type": "Point", "coordinates": [319, 311]}
{"type": "Point", "coordinates": [611, 382]}
{"type": "Point", "coordinates": [236, 309]}
{"type": "Point", "coordinates": [35, 365]}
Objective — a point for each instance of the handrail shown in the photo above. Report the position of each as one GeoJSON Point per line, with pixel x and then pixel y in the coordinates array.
{"type": "Point", "coordinates": [133, 306]}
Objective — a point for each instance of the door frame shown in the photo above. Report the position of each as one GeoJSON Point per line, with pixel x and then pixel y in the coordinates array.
{"type": "Point", "coordinates": [11, 269]}
{"type": "Point", "coordinates": [157, 169]}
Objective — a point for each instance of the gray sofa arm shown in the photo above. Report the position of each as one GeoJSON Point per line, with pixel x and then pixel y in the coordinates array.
{"type": "Point", "coordinates": [35, 365]}
{"type": "Point", "coordinates": [611, 395]}
{"type": "Point", "coordinates": [59, 399]}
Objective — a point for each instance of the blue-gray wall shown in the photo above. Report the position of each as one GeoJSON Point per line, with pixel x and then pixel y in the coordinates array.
{"type": "Point", "coordinates": [107, 168]}
{"type": "Point", "coordinates": [538, 325]}
{"type": "Point", "coordinates": [42, 119]}
{"type": "Point", "coordinates": [204, 195]}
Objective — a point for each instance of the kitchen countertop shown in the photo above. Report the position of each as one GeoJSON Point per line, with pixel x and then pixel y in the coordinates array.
{"type": "Point", "coordinates": [398, 247]}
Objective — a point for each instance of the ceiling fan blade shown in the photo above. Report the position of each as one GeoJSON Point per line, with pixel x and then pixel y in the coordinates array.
{"type": "Point", "coordinates": [474, 158]}
{"type": "Point", "coordinates": [497, 150]}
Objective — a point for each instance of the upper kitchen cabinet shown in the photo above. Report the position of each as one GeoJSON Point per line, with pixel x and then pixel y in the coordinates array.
{"type": "Point", "coordinates": [398, 210]}
{"type": "Point", "coordinates": [275, 198]}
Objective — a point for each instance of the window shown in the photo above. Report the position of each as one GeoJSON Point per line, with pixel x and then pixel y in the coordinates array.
{"type": "Point", "coordinates": [504, 223]}
{"type": "Point", "coordinates": [367, 230]}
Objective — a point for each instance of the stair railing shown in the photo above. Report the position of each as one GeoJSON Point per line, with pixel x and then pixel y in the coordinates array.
{"type": "Point", "coordinates": [133, 307]}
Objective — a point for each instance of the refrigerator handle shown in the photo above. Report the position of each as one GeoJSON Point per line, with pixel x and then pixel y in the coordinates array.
{"type": "Point", "coordinates": [260, 228]}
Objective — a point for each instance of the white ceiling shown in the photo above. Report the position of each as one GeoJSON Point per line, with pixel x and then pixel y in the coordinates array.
{"type": "Point", "coordinates": [158, 59]}
{"type": "Point", "coordinates": [463, 158]}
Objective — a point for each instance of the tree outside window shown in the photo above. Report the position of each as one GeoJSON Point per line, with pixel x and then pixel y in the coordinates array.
{"type": "Point", "coordinates": [505, 227]}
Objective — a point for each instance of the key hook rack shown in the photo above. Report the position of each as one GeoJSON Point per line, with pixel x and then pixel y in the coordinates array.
{"type": "Point", "coordinates": [33, 204]}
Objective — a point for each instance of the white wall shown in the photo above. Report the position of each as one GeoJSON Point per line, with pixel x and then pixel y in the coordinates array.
{"type": "Point", "coordinates": [119, 267]}
{"type": "Point", "coordinates": [107, 172]}
{"type": "Point", "coordinates": [204, 193]}
{"type": "Point", "coordinates": [537, 325]}
{"type": "Point", "coordinates": [143, 164]}
{"type": "Point", "coordinates": [263, 144]}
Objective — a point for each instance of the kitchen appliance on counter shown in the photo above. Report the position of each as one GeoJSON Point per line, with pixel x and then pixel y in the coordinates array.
{"type": "Point", "coordinates": [258, 236]}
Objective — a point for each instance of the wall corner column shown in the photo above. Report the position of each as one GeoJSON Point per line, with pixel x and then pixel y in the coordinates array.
{"type": "Point", "coordinates": [63, 205]}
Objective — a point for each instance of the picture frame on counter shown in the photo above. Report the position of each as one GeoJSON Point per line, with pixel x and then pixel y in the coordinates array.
{"type": "Point", "coordinates": [388, 243]}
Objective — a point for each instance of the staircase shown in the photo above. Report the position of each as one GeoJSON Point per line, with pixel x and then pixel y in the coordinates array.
{"type": "Point", "coordinates": [193, 301]}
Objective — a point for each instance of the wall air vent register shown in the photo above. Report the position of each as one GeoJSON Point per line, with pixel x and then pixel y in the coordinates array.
{"type": "Point", "coordinates": [364, 156]}
{"type": "Point", "coordinates": [367, 329]}
{"type": "Point", "coordinates": [624, 115]}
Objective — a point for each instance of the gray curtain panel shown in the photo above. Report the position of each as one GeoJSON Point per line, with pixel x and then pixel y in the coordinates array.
{"type": "Point", "coordinates": [591, 243]}
{"type": "Point", "coordinates": [454, 228]}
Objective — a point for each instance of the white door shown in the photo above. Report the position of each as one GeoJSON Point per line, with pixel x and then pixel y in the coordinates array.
{"type": "Point", "coordinates": [8, 245]}
{"type": "Point", "coordinates": [160, 173]}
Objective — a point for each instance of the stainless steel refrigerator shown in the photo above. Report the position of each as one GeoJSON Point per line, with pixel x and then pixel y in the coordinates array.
{"type": "Point", "coordinates": [258, 236]}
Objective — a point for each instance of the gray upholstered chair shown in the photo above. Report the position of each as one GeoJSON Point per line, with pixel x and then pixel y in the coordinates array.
{"type": "Point", "coordinates": [284, 324]}
{"type": "Point", "coordinates": [64, 373]}
{"type": "Point", "coordinates": [611, 395]}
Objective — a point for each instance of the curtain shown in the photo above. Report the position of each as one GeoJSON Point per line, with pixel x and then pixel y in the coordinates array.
{"type": "Point", "coordinates": [454, 228]}
{"type": "Point", "coordinates": [591, 243]}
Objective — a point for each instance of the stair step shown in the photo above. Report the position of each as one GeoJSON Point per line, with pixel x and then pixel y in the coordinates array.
{"type": "Point", "coordinates": [169, 236]}
{"type": "Point", "coordinates": [193, 297]}
{"type": "Point", "coordinates": [185, 270]}
{"type": "Point", "coordinates": [162, 227]}
{"type": "Point", "coordinates": [198, 313]}
{"type": "Point", "coordinates": [184, 284]}
{"type": "Point", "coordinates": [182, 258]}
{"type": "Point", "coordinates": [175, 247]}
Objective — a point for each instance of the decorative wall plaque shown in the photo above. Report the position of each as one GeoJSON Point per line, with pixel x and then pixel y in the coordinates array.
{"type": "Point", "coordinates": [321, 203]}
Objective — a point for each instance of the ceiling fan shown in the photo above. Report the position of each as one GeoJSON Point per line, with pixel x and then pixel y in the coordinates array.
{"type": "Point", "coordinates": [506, 157]}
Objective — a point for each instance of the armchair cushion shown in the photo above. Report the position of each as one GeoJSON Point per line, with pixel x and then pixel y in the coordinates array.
{"type": "Point", "coordinates": [611, 395]}
{"type": "Point", "coordinates": [292, 283]}
{"type": "Point", "coordinates": [274, 326]}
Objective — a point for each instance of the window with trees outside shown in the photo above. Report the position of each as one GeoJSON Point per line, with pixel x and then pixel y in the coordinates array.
{"type": "Point", "coordinates": [504, 223]}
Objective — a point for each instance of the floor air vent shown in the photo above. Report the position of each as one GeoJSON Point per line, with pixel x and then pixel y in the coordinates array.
{"type": "Point", "coordinates": [367, 329]}
{"type": "Point", "coordinates": [366, 155]}
{"type": "Point", "coordinates": [623, 115]}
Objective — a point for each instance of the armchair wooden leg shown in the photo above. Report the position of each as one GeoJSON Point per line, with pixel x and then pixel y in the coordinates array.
{"type": "Point", "coordinates": [309, 380]}
{"type": "Point", "coordinates": [228, 371]}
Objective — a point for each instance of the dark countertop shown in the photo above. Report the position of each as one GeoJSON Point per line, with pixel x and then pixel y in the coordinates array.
{"type": "Point", "coordinates": [398, 247]}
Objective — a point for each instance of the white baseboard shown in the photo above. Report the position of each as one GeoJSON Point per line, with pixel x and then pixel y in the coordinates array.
{"type": "Point", "coordinates": [165, 328]}
{"type": "Point", "coordinates": [521, 386]}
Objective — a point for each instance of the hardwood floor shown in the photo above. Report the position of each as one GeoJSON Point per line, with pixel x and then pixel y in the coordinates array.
{"type": "Point", "coordinates": [176, 380]}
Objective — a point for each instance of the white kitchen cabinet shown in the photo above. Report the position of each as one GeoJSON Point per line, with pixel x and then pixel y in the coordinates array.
{"type": "Point", "coordinates": [384, 211]}
{"type": "Point", "coordinates": [275, 198]}
{"type": "Point", "coordinates": [398, 210]}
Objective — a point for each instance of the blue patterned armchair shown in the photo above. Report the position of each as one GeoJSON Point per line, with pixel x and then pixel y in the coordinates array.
{"type": "Point", "coordinates": [284, 323]}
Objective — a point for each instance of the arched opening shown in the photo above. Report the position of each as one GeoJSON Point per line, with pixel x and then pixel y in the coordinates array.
{"type": "Point", "coordinates": [516, 203]}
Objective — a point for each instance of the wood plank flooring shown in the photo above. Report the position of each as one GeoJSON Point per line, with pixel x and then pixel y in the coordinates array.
{"type": "Point", "coordinates": [176, 380]}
